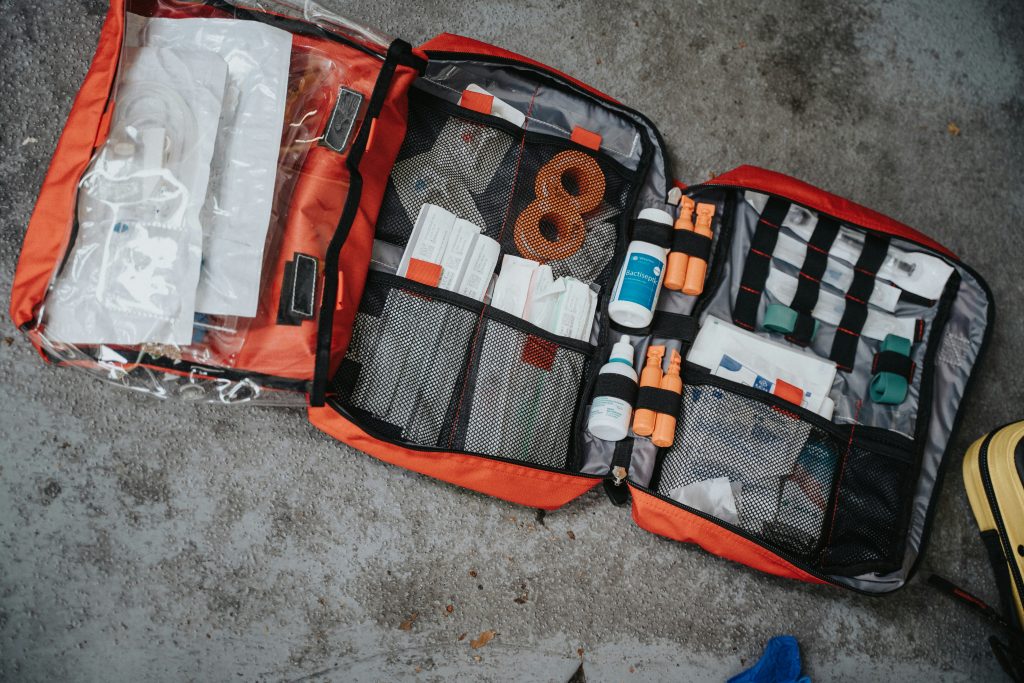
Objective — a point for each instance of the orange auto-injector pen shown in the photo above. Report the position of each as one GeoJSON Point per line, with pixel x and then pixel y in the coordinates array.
{"type": "Point", "coordinates": [675, 271]}
{"type": "Point", "coordinates": [665, 425]}
{"type": "Point", "coordinates": [644, 418]}
{"type": "Point", "coordinates": [697, 268]}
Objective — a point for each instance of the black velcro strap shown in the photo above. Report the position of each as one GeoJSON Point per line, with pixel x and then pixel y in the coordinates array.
{"type": "Point", "coordinates": [890, 361]}
{"type": "Point", "coordinates": [803, 330]}
{"type": "Point", "coordinates": [617, 386]}
{"type": "Point", "coordinates": [652, 232]}
{"type": "Point", "coordinates": [659, 400]}
{"type": "Point", "coordinates": [855, 312]}
{"type": "Point", "coordinates": [668, 325]}
{"type": "Point", "coordinates": [298, 290]}
{"type": "Point", "coordinates": [758, 262]}
{"type": "Point", "coordinates": [691, 243]}
{"type": "Point", "coordinates": [814, 265]}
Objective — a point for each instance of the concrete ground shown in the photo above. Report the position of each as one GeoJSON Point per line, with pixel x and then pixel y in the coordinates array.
{"type": "Point", "coordinates": [146, 540]}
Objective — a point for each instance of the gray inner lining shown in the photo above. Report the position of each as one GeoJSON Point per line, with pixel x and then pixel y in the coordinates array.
{"type": "Point", "coordinates": [962, 338]}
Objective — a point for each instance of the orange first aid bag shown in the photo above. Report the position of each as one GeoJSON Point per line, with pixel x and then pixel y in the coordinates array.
{"type": "Point", "coordinates": [421, 245]}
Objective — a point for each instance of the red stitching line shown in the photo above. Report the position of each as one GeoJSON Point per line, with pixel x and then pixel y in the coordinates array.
{"type": "Point", "coordinates": [853, 298]}
{"type": "Point", "coordinates": [760, 253]}
{"type": "Point", "coordinates": [501, 234]}
{"type": "Point", "coordinates": [743, 324]}
{"type": "Point", "coordinates": [839, 483]}
{"type": "Point", "coordinates": [769, 224]}
{"type": "Point", "coordinates": [748, 289]}
{"type": "Point", "coordinates": [818, 249]}
{"type": "Point", "coordinates": [809, 277]}
{"type": "Point", "coordinates": [865, 271]}
{"type": "Point", "coordinates": [850, 332]}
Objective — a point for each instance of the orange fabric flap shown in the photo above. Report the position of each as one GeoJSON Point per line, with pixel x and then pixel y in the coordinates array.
{"type": "Point", "coordinates": [665, 519]}
{"type": "Point", "coordinates": [508, 481]}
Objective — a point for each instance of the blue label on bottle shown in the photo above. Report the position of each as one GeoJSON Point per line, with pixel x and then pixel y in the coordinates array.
{"type": "Point", "coordinates": [640, 283]}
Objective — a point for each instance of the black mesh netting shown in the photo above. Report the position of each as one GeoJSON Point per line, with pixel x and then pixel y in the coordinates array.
{"type": "Point", "coordinates": [753, 465]}
{"type": "Point", "coordinates": [869, 528]}
{"type": "Point", "coordinates": [404, 362]}
{"type": "Point", "coordinates": [521, 397]}
{"type": "Point", "coordinates": [433, 372]}
{"type": "Point", "coordinates": [541, 199]}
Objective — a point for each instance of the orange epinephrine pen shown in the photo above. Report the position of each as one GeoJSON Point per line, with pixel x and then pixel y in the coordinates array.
{"type": "Point", "coordinates": [644, 418]}
{"type": "Point", "coordinates": [665, 425]}
{"type": "Point", "coordinates": [697, 268]}
{"type": "Point", "coordinates": [675, 270]}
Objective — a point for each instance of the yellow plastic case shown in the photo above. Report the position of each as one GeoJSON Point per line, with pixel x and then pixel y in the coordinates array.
{"type": "Point", "coordinates": [994, 478]}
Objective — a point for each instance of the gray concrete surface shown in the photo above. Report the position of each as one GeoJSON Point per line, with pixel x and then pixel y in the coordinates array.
{"type": "Point", "coordinates": [145, 540]}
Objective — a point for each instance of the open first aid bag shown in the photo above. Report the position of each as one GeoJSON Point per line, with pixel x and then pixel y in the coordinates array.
{"type": "Point", "coordinates": [273, 204]}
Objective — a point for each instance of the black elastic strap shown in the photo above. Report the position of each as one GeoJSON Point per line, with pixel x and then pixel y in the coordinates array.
{"type": "Point", "coordinates": [691, 243]}
{"type": "Point", "coordinates": [668, 325]}
{"type": "Point", "coordinates": [616, 386]}
{"type": "Point", "coordinates": [659, 400]}
{"type": "Point", "coordinates": [652, 232]}
{"type": "Point", "coordinates": [803, 330]}
{"type": "Point", "coordinates": [758, 262]}
{"type": "Point", "coordinates": [855, 312]}
{"type": "Point", "coordinates": [809, 282]}
{"type": "Point", "coordinates": [890, 361]}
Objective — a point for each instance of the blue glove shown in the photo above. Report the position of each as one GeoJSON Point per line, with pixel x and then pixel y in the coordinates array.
{"type": "Point", "coordinates": [780, 663]}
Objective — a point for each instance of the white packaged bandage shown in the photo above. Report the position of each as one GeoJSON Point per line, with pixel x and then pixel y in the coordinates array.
{"type": "Point", "coordinates": [793, 251]}
{"type": "Point", "coordinates": [830, 307]}
{"type": "Point", "coordinates": [132, 274]}
{"type": "Point", "coordinates": [243, 176]}
{"type": "Point", "coordinates": [746, 354]}
{"type": "Point", "coordinates": [913, 271]}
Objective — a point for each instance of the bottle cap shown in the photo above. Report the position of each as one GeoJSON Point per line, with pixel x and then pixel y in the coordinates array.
{"type": "Point", "coordinates": [656, 215]}
{"type": "Point", "coordinates": [622, 351]}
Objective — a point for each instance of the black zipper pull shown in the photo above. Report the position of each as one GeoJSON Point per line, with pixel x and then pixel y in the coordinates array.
{"type": "Point", "coordinates": [614, 486]}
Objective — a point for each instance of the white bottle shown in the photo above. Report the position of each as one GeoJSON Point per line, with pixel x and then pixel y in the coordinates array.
{"type": "Point", "coordinates": [639, 283]}
{"type": "Point", "coordinates": [609, 415]}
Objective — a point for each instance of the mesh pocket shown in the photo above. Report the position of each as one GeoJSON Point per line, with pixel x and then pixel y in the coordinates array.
{"type": "Point", "coordinates": [754, 465]}
{"type": "Point", "coordinates": [566, 211]}
{"type": "Point", "coordinates": [461, 165]}
{"type": "Point", "coordinates": [521, 397]}
{"type": "Point", "coordinates": [870, 519]}
{"type": "Point", "coordinates": [404, 362]}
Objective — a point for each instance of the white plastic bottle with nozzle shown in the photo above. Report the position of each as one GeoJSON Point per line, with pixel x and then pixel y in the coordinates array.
{"type": "Point", "coordinates": [609, 415]}
{"type": "Point", "coordinates": [638, 285]}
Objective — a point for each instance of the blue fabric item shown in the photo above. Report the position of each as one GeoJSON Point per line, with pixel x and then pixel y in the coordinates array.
{"type": "Point", "coordinates": [780, 663]}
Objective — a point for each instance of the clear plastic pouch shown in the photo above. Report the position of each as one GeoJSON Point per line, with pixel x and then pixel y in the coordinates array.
{"type": "Point", "coordinates": [188, 263]}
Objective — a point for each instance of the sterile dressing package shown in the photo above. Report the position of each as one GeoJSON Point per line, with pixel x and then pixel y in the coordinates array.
{"type": "Point", "coordinates": [453, 256]}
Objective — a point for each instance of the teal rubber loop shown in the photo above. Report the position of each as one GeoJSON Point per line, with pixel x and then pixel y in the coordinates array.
{"type": "Point", "coordinates": [894, 342]}
{"type": "Point", "coordinates": [779, 318]}
{"type": "Point", "coordinates": [888, 388]}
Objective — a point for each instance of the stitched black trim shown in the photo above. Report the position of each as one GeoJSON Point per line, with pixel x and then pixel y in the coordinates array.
{"type": "Point", "coordinates": [809, 282]}
{"type": "Point", "coordinates": [398, 51]}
